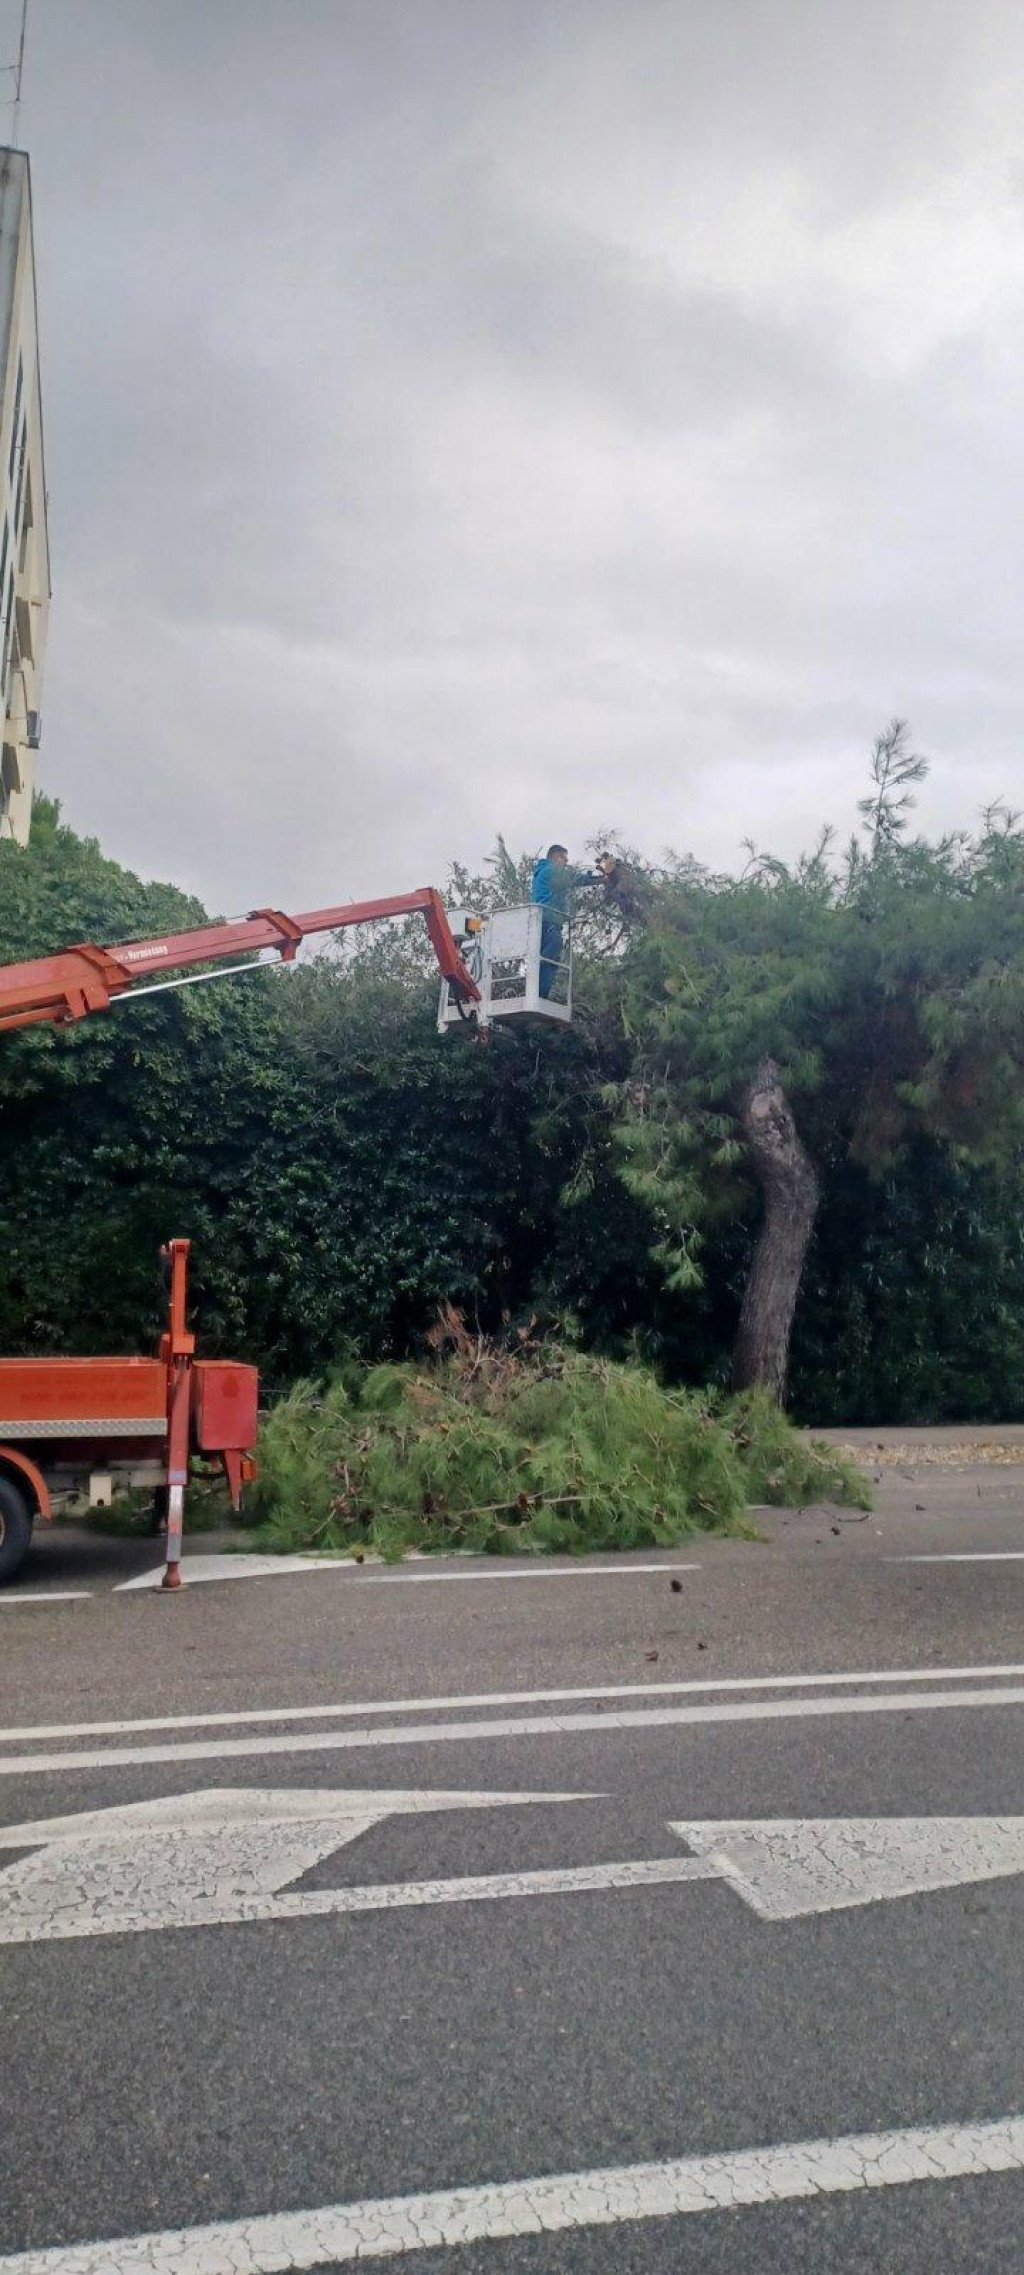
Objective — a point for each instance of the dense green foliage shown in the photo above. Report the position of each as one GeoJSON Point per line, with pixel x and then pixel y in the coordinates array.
{"type": "Point", "coordinates": [881, 994]}
{"type": "Point", "coordinates": [344, 1172]}
{"type": "Point", "coordinates": [310, 1133]}
{"type": "Point", "coordinates": [912, 1308]}
{"type": "Point", "coordinates": [888, 987]}
{"type": "Point", "coordinates": [535, 1450]}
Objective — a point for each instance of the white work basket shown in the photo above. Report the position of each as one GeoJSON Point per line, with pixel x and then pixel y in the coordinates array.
{"type": "Point", "coordinates": [516, 979]}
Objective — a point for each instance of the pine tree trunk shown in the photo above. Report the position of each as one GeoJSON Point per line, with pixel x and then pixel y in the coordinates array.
{"type": "Point", "coordinates": [790, 1188]}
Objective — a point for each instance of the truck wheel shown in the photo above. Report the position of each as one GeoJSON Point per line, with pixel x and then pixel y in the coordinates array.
{"type": "Point", "coordinates": [15, 1527]}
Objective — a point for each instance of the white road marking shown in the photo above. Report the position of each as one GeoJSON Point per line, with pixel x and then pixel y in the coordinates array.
{"type": "Point", "coordinates": [787, 1868]}
{"type": "Point", "coordinates": [205, 1859]}
{"type": "Point", "coordinates": [288, 2243]}
{"type": "Point", "coordinates": [221, 1858]}
{"type": "Point", "coordinates": [518, 1726]}
{"type": "Point", "coordinates": [241, 1567]}
{"type": "Point", "coordinates": [374, 1896]}
{"type": "Point", "coordinates": [31, 1732]}
{"type": "Point", "coordinates": [257, 1567]}
{"type": "Point", "coordinates": [965, 1556]}
{"type": "Point", "coordinates": [14, 1596]}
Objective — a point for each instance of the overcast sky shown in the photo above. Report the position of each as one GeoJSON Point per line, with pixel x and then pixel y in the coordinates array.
{"type": "Point", "coordinates": [535, 415]}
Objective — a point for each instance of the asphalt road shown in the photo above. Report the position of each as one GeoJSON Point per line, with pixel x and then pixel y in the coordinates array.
{"type": "Point", "coordinates": [280, 1965]}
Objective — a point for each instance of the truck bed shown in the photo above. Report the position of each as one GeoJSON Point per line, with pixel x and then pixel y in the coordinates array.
{"type": "Point", "coordinates": [83, 1398]}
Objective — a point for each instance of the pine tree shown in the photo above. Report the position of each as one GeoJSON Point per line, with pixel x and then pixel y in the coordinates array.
{"type": "Point", "coordinates": [831, 1008]}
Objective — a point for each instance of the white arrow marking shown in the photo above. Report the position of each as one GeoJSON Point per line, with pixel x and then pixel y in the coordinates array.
{"type": "Point", "coordinates": [238, 1809]}
{"type": "Point", "coordinates": [786, 1867]}
{"type": "Point", "coordinates": [195, 1859]}
{"type": "Point", "coordinates": [224, 1858]}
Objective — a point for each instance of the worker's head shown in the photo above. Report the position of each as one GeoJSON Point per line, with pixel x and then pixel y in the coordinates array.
{"type": "Point", "coordinates": [559, 854]}
{"type": "Point", "coordinates": [607, 864]}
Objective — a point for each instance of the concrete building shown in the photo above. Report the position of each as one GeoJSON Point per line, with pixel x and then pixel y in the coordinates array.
{"type": "Point", "coordinates": [24, 546]}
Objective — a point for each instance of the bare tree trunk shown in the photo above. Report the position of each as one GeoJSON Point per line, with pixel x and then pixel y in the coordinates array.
{"type": "Point", "coordinates": [790, 1188]}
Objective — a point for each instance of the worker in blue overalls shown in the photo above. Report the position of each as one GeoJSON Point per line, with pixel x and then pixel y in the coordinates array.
{"type": "Point", "coordinates": [554, 882]}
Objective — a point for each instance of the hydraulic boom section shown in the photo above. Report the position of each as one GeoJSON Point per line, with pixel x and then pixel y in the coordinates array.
{"type": "Point", "coordinates": [55, 990]}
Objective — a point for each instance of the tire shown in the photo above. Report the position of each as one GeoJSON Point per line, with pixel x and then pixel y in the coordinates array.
{"type": "Point", "coordinates": [15, 1527]}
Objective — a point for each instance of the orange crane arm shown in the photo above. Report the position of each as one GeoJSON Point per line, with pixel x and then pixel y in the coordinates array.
{"type": "Point", "coordinates": [54, 990]}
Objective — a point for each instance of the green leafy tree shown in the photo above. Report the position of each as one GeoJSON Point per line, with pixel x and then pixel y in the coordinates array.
{"type": "Point", "coordinates": [823, 1010]}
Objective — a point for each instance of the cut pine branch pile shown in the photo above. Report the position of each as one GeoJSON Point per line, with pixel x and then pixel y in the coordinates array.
{"type": "Point", "coordinates": [531, 1448]}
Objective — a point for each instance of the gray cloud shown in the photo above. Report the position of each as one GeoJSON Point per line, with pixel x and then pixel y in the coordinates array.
{"type": "Point", "coordinates": [478, 414]}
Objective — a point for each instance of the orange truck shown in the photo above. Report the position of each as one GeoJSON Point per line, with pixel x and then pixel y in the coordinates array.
{"type": "Point", "coordinates": [80, 1427]}
{"type": "Point", "coordinates": [69, 1426]}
